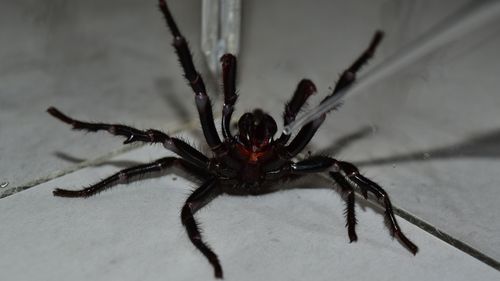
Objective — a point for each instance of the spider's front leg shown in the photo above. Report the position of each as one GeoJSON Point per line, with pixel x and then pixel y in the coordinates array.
{"type": "Point", "coordinates": [195, 80]}
{"type": "Point", "coordinates": [304, 90]}
{"type": "Point", "coordinates": [345, 174]}
{"type": "Point", "coordinates": [349, 75]}
{"type": "Point", "coordinates": [199, 198]}
{"type": "Point", "coordinates": [229, 82]}
{"type": "Point", "coordinates": [130, 174]}
{"type": "Point", "coordinates": [307, 132]}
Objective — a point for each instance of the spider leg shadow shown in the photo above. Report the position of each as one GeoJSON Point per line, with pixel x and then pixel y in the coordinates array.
{"type": "Point", "coordinates": [173, 101]}
{"type": "Point", "coordinates": [480, 145]}
{"type": "Point", "coordinates": [346, 140]}
{"type": "Point", "coordinates": [77, 160]}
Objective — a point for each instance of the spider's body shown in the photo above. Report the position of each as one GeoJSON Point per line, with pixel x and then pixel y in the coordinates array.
{"type": "Point", "coordinates": [247, 163]}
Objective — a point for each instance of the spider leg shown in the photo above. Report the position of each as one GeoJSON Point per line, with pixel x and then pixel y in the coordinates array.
{"type": "Point", "coordinates": [348, 190]}
{"type": "Point", "coordinates": [365, 184]}
{"type": "Point", "coordinates": [150, 136]}
{"type": "Point", "coordinates": [349, 75]}
{"type": "Point", "coordinates": [304, 90]}
{"type": "Point", "coordinates": [195, 201]}
{"type": "Point", "coordinates": [229, 81]}
{"type": "Point", "coordinates": [129, 174]}
{"type": "Point", "coordinates": [347, 78]}
{"type": "Point", "coordinates": [195, 81]}
{"type": "Point", "coordinates": [316, 164]}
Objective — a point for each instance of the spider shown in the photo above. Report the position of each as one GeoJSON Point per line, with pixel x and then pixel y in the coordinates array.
{"type": "Point", "coordinates": [250, 162]}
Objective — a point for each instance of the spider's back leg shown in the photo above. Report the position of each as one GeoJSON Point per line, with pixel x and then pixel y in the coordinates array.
{"type": "Point", "coordinates": [129, 174]}
{"type": "Point", "coordinates": [195, 201]}
{"type": "Point", "coordinates": [345, 170]}
{"type": "Point", "coordinates": [352, 173]}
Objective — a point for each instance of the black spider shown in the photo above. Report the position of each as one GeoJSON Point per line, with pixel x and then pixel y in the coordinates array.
{"type": "Point", "coordinates": [247, 163]}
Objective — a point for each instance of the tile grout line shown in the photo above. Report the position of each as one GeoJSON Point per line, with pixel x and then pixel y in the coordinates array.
{"type": "Point", "coordinates": [191, 124]}
{"type": "Point", "coordinates": [447, 238]}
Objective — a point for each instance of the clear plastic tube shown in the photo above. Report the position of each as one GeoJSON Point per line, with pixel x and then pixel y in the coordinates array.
{"type": "Point", "coordinates": [220, 31]}
{"type": "Point", "coordinates": [466, 19]}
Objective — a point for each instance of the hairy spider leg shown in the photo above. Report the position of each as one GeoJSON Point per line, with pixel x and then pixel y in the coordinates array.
{"type": "Point", "coordinates": [350, 214]}
{"type": "Point", "coordinates": [175, 145]}
{"type": "Point", "coordinates": [200, 197]}
{"type": "Point", "coordinates": [304, 90]}
{"type": "Point", "coordinates": [367, 184]}
{"type": "Point", "coordinates": [348, 76]}
{"type": "Point", "coordinates": [229, 86]}
{"type": "Point", "coordinates": [128, 174]}
{"type": "Point", "coordinates": [195, 80]}
{"type": "Point", "coordinates": [307, 132]}
{"type": "Point", "coordinates": [318, 163]}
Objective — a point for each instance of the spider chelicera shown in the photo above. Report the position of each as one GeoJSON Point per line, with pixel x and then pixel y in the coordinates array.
{"type": "Point", "coordinates": [248, 163]}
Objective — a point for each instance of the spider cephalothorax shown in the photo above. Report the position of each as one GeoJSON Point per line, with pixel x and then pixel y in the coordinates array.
{"type": "Point", "coordinates": [247, 163]}
{"type": "Point", "coordinates": [255, 136]}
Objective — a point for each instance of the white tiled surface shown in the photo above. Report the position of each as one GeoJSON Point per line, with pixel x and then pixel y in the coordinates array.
{"type": "Point", "coordinates": [432, 136]}
{"type": "Point", "coordinates": [97, 60]}
{"type": "Point", "coordinates": [134, 232]}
